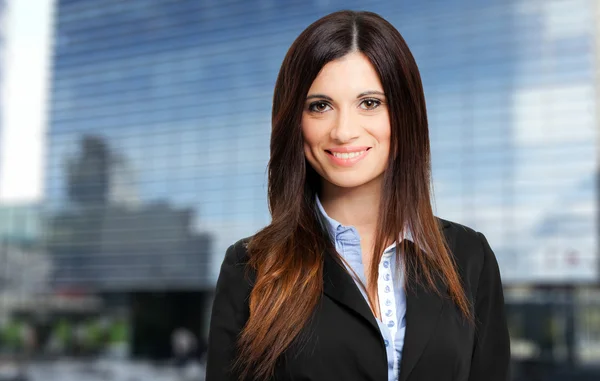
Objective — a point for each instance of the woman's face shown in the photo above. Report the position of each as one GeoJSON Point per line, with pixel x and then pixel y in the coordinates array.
{"type": "Point", "coordinates": [345, 123]}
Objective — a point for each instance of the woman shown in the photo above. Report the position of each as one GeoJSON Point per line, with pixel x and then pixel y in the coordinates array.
{"type": "Point", "coordinates": [355, 278]}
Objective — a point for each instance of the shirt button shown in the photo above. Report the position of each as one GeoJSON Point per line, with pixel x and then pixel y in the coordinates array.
{"type": "Point", "coordinates": [387, 343]}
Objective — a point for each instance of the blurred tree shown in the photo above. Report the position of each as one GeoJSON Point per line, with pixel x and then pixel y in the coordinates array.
{"type": "Point", "coordinates": [119, 332]}
{"type": "Point", "coordinates": [11, 335]}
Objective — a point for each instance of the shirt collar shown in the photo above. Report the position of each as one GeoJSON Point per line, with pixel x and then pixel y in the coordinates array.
{"type": "Point", "coordinates": [333, 226]}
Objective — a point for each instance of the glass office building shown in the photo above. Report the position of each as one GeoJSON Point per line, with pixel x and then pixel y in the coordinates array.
{"type": "Point", "coordinates": [176, 96]}
{"type": "Point", "coordinates": [160, 120]}
{"type": "Point", "coordinates": [2, 63]}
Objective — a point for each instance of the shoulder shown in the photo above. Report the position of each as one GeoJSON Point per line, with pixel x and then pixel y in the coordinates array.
{"type": "Point", "coordinates": [234, 272]}
{"type": "Point", "coordinates": [234, 283]}
{"type": "Point", "coordinates": [235, 263]}
{"type": "Point", "coordinates": [467, 245]}
{"type": "Point", "coordinates": [471, 251]}
{"type": "Point", "coordinates": [237, 252]}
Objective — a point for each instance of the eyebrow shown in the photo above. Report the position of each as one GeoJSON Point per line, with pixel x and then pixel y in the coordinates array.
{"type": "Point", "coordinates": [323, 96]}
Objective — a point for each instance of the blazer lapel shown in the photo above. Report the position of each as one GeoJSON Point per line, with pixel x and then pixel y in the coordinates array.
{"type": "Point", "coordinates": [423, 309]}
{"type": "Point", "coordinates": [340, 286]}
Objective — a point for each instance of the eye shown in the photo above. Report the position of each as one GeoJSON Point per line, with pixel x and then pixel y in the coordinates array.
{"type": "Point", "coordinates": [370, 104]}
{"type": "Point", "coordinates": [319, 106]}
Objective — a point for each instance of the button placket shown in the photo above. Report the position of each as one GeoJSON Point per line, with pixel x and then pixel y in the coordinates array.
{"type": "Point", "coordinates": [387, 300]}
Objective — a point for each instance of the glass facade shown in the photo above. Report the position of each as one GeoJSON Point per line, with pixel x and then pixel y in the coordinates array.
{"type": "Point", "coordinates": [2, 70]}
{"type": "Point", "coordinates": [172, 100]}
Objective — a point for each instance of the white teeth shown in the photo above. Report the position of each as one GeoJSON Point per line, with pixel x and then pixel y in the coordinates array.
{"type": "Point", "coordinates": [349, 155]}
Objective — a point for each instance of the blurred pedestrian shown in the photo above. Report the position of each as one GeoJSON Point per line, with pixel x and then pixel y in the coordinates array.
{"type": "Point", "coordinates": [355, 278]}
{"type": "Point", "coordinates": [184, 344]}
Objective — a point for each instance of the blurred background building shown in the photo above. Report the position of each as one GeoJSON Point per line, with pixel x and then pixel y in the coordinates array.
{"type": "Point", "coordinates": [149, 152]}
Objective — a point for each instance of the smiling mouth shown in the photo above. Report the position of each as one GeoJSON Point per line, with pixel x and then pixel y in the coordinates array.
{"type": "Point", "coordinates": [347, 155]}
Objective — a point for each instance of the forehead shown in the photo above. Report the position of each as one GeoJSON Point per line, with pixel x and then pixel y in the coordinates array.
{"type": "Point", "coordinates": [348, 75]}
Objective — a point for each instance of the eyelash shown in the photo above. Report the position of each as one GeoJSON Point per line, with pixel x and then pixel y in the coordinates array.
{"type": "Point", "coordinates": [375, 100]}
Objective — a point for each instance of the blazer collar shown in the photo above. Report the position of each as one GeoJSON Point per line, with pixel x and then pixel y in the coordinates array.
{"type": "Point", "coordinates": [423, 307]}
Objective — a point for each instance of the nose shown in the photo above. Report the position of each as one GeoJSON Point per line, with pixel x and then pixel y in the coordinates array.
{"type": "Point", "coordinates": [345, 128]}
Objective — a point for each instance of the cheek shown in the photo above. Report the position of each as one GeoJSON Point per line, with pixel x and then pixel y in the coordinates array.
{"type": "Point", "coordinates": [381, 130]}
{"type": "Point", "coordinates": [310, 134]}
{"type": "Point", "coordinates": [307, 151]}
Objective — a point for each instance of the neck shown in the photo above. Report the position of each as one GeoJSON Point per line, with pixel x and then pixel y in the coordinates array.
{"type": "Point", "coordinates": [358, 206]}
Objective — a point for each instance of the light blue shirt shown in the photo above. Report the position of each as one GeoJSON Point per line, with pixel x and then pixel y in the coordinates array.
{"type": "Point", "coordinates": [392, 299]}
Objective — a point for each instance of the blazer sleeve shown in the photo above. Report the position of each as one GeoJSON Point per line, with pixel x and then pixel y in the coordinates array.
{"type": "Point", "coordinates": [228, 317]}
{"type": "Point", "coordinates": [491, 353]}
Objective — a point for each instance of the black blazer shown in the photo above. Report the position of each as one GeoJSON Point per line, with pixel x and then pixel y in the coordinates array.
{"type": "Point", "coordinates": [344, 342]}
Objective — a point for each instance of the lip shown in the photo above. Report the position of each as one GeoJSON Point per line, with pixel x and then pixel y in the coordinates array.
{"type": "Point", "coordinates": [347, 149]}
{"type": "Point", "coordinates": [347, 162]}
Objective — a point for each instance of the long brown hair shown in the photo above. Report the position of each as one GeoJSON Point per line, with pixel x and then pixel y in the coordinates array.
{"type": "Point", "coordinates": [287, 255]}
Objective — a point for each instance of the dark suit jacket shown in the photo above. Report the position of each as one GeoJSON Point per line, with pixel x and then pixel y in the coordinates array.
{"type": "Point", "coordinates": [345, 343]}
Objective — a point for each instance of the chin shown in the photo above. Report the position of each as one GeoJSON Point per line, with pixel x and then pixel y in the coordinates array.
{"type": "Point", "coordinates": [347, 180]}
